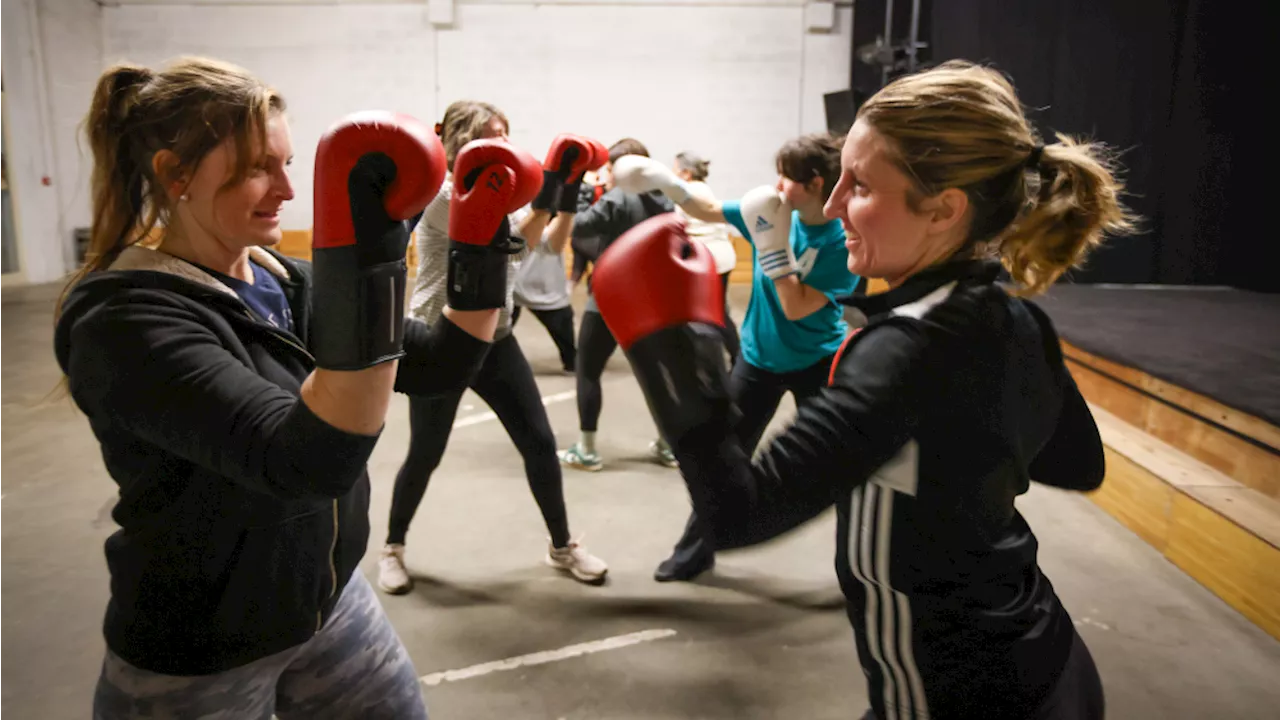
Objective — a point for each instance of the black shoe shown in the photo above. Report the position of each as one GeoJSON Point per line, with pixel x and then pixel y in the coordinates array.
{"type": "Point", "coordinates": [671, 570]}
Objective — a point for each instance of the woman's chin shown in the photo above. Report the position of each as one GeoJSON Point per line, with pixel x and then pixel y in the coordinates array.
{"type": "Point", "coordinates": [270, 238]}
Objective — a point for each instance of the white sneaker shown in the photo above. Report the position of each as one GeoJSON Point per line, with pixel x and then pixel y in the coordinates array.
{"type": "Point", "coordinates": [575, 559]}
{"type": "Point", "coordinates": [392, 577]}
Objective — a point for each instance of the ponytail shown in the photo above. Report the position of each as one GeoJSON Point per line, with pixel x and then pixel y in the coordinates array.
{"type": "Point", "coordinates": [119, 181]}
{"type": "Point", "coordinates": [1077, 204]}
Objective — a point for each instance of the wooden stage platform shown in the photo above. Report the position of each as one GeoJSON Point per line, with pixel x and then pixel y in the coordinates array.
{"type": "Point", "coordinates": [1193, 476]}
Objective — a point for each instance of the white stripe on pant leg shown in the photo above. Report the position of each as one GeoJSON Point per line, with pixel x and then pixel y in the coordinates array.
{"type": "Point", "coordinates": [884, 536]}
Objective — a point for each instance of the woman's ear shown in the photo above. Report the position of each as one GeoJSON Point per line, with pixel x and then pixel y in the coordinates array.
{"type": "Point", "coordinates": [946, 209]}
{"type": "Point", "coordinates": [815, 186]}
{"type": "Point", "coordinates": [168, 171]}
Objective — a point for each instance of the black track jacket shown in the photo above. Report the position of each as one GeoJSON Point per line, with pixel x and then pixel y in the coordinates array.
{"type": "Point", "coordinates": [939, 412]}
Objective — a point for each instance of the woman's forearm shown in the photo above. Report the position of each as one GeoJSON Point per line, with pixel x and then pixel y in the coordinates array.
{"type": "Point", "coordinates": [356, 401]}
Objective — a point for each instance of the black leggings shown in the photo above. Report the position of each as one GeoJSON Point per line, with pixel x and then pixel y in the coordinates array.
{"type": "Point", "coordinates": [559, 324]}
{"type": "Point", "coordinates": [756, 393]}
{"type": "Point", "coordinates": [506, 383]}
{"type": "Point", "coordinates": [595, 346]}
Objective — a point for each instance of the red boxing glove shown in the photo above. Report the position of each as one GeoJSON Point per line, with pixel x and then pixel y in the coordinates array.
{"type": "Point", "coordinates": [568, 159]}
{"type": "Point", "coordinates": [570, 156]}
{"type": "Point", "coordinates": [491, 178]}
{"type": "Point", "coordinates": [654, 277]}
{"type": "Point", "coordinates": [419, 171]}
{"type": "Point", "coordinates": [373, 172]}
{"type": "Point", "coordinates": [601, 155]}
{"type": "Point", "coordinates": [659, 294]}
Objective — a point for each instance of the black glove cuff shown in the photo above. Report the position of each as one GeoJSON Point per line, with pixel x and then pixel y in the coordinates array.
{"type": "Point", "coordinates": [549, 194]}
{"type": "Point", "coordinates": [683, 371]}
{"type": "Point", "coordinates": [569, 197]}
{"type": "Point", "coordinates": [358, 313]}
{"type": "Point", "coordinates": [477, 276]}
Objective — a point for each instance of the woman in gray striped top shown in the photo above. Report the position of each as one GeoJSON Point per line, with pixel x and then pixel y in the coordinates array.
{"type": "Point", "coordinates": [505, 380]}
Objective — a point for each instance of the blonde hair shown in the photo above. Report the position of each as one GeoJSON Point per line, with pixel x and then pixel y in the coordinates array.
{"type": "Point", "coordinates": [188, 108]}
{"type": "Point", "coordinates": [1040, 208]}
{"type": "Point", "coordinates": [464, 121]}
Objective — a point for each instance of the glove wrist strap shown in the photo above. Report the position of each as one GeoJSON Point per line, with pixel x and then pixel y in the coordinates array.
{"type": "Point", "coordinates": [477, 278]}
{"type": "Point", "coordinates": [358, 312]}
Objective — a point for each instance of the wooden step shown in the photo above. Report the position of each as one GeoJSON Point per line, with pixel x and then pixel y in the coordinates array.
{"type": "Point", "coordinates": [1217, 530]}
{"type": "Point", "coordinates": [1244, 447]}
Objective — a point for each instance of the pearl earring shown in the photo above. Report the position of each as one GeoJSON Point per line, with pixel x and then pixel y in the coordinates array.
{"type": "Point", "coordinates": [184, 197]}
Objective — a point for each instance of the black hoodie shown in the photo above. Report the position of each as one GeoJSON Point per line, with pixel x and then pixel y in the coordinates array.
{"type": "Point", "coordinates": [242, 515]}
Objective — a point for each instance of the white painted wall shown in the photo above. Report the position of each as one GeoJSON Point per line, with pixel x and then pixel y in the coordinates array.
{"type": "Point", "coordinates": [732, 82]}
{"type": "Point", "coordinates": [52, 56]}
{"type": "Point", "coordinates": [731, 79]}
{"type": "Point", "coordinates": [72, 34]}
{"type": "Point", "coordinates": [327, 61]}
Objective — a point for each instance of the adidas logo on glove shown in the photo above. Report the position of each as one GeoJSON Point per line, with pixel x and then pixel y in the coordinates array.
{"type": "Point", "coordinates": [763, 225]}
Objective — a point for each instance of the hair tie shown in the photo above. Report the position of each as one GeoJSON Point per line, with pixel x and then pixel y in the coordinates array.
{"type": "Point", "coordinates": [1033, 159]}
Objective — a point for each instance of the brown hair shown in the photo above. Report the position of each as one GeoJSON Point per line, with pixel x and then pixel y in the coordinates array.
{"type": "Point", "coordinates": [810, 156]}
{"type": "Point", "coordinates": [188, 108]}
{"type": "Point", "coordinates": [697, 166]}
{"type": "Point", "coordinates": [464, 121]}
{"type": "Point", "coordinates": [1040, 208]}
{"type": "Point", "coordinates": [627, 146]}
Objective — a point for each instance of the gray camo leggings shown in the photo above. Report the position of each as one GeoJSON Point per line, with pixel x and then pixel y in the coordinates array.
{"type": "Point", "coordinates": [355, 667]}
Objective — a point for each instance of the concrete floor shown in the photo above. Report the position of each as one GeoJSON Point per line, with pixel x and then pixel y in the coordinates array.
{"type": "Point", "coordinates": [763, 637]}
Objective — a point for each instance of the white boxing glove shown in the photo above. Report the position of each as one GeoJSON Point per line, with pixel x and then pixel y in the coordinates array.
{"type": "Point", "coordinates": [768, 220]}
{"type": "Point", "coordinates": [638, 174]}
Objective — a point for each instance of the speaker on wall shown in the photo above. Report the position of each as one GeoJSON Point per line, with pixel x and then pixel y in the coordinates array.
{"type": "Point", "coordinates": [842, 108]}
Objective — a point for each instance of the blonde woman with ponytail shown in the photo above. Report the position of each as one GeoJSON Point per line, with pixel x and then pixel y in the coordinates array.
{"type": "Point", "coordinates": [938, 412]}
{"type": "Point", "coordinates": [236, 409]}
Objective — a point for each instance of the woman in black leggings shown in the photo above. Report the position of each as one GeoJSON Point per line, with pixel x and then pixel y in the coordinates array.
{"type": "Point", "coordinates": [505, 380]}
{"type": "Point", "coordinates": [615, 213]}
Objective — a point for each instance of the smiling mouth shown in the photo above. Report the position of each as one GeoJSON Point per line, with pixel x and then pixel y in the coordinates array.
{"type": "Point", "coordinates": [267, 215]}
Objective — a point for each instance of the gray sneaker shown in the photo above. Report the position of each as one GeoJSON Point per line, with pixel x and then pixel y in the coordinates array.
{"type": "Point", "coordinates": [662, 454]}
{"type": "Point", "coordinates": [576, 458]}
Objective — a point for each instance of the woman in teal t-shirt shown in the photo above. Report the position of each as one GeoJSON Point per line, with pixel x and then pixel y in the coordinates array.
{"type": "Point", "coordinates": [793, 326]}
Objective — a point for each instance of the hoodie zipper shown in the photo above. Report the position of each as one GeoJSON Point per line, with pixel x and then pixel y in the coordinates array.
{"type": "Point", "coordinates": [333, 542]}
{"type": "Point", "coordinates": [278, 333]}
{"type": "Point", "coordinates": [333, 566]}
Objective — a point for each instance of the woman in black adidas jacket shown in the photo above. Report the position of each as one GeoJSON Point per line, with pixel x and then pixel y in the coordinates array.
{"type": "Point", "coordinates": [237, 434]}
{"type": "Point", "coordinates": [939, 410]}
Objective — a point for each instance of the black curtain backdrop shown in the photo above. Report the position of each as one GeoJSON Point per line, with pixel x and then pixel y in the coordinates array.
{"type": "Point", "coordinates": [1175, 85]}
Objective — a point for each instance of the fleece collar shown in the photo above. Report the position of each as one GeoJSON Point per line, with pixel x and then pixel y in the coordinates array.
{"type": "Point", "coordinates": [140, 258]}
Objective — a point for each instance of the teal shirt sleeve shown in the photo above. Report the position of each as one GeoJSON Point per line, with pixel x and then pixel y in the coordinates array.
{"type": "Point", "coordinates": [732, 210]}
{"type": "Point", "coordinates": [830, 274]}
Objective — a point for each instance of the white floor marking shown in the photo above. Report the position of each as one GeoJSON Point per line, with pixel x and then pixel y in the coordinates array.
{"type": "Point", "coordinates": [487, 416]}
{"type": "Point", "coordinates": [1091, 621]}
{"type": "Point", "coordinates": [547, 656]}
